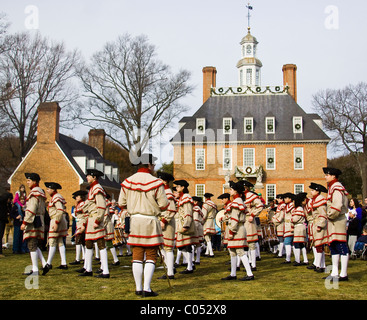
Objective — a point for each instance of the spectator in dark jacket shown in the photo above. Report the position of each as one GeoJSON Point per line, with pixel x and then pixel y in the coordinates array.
{"type": "Point", "coordinates": [5, 208]}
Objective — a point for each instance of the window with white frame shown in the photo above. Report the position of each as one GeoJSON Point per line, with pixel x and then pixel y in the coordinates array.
{"type": "Point", "coordinates": [248, 123]}
{"type": "Point", "coordinates": [200, 159]}
{"type": "Point", "coordinates": [270, 192]}
{"type": "Point", "coordinates": [248, 159]}
{"type": "Point", "coordinates": [270, 158]}
{"type": "Point", "coordinates": [270, 125]}
{"type": "Point", "coordinates": [227, 125]}
{"type": "Point", "coordinates": [249, 77]}
{"type": "Point", "coordinates": [298, 158]}
{"type": "Point", "coordinates": [199, 190]}
{"type": "Point", "coordinates": [227, 159]}
{"type": "Point", "coordinates": [200, 125]}
{"type": "Point", "coordinates": [298, 188]}
{"type": "Point", "coordinates": [297, 125]}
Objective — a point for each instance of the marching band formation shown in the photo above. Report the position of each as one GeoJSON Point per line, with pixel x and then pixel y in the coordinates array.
{"type": "Point", "coordinates": [152, 220]}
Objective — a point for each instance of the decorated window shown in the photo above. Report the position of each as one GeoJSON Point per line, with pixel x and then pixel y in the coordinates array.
{"type": "Point", "coordinates": [200, 159]}
{"type": "Point", "coordinates": [270, 125]}
{"type": "Point", "coordinates": [271, 191]}
{"type": "Point", "coordinates": [270, 158]}
{"type": "Point", "coordinates": [248, 125]}
{"type": "Point", "coordinates": [249, 160]}
{"type": "Point", "coordinates": [298, 188]}
{"type": "Point", "coordinates": [227, 159]}
{"type": "Point", "coordinates": [199, 190]}
{"type": "Point", "coordinates": [249, 77]}
{"type": "Point", "coordinates": [200, 126]}
{"type": "Point", "coordinates": [227, 125]}
{"type": "Point", "coordinates": [298, 158]}
{"type": "Point", "coordinates": [297, 125]}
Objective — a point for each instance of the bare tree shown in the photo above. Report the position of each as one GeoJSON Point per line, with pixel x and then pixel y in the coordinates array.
{"type": "Point", "coordinates": [344, 115]}
{"type": "Point", "coordinates": [33, 70]}
{"type": "Point", "coordinates": [130, 93]}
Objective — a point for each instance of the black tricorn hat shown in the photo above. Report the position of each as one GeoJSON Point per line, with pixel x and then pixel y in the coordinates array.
{"type": "Point", "coordinates": [208, 195]}
{"type": "Point", "coordinates": [53, 185]}
{"type": "Point", "coordinates": [280, 196]}
{"type": "Point", "coordinates": [182, 183]}
{"type": "Point", "coordinates": [317, 187]}
{"type": "Point", "coordinates": [298, 198]}
{"type": "Point", "coordinates": [198, 199]}
{"type": "Point", "coordinates": [32, 176]}
{"type": "Point", "coordinates": [238, 186]}
{"type": "Point", "coordinates": [247, 183]}
{"type": "Point", "coordinates": [165, 176]}
{"type": "Point", "coordinates": [332, 171]}
{"type": "Point", "coordinates": [224, 196]}
{"type": "Point", "coordinates": [288, 195]}
{"type": "Point", "coordinates": [94, 173]}
{"type": "Point", "coordinates": [80, 193]}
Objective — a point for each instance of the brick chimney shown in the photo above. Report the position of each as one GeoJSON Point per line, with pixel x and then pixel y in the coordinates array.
{"type": "Point", "coordinates": [209, 80]}
{"type": "Point", "coordinates": [290, 79]}
{"type": "Point", "coordinates": [97, 139]}
{"type": "Point", "coordinates": [48, 122]}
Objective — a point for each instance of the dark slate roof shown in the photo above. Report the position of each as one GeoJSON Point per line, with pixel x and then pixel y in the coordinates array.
{"type": "Point", "coordinates": [72, 148]}
{"type": "Point", "coordinates": [282, 106]}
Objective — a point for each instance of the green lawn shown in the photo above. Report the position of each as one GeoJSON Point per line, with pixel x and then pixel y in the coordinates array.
{"type": "Point", "coordinates": [273, 281]}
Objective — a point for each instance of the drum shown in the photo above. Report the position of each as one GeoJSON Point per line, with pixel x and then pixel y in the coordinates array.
{"type": "Point", "coordinates": [269, 234]}
{"type": "Point", "coordinates": [219, 219]}
{"type": "Point", "coordinates": [118, 238]}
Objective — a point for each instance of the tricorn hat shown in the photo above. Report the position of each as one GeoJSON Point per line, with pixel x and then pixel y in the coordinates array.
{"type": "Point", "coordinates": [80, 193]}
{"type": "Point", "coordinates": [238, 186]}
{"type": "Point", "coordinates": [94, 173]}
{"type": "Point", "coordinates": [198, 199]}
{"type": "Point", "coordinates": [208, 195]}
{"type": "Point", "coordinates": [317, 187]}
{"type": "Point", "coordinates": [247, 184]}
{"type": "Point", "coordinates": [332, 171]}
{"type": "Point", "coordinates": [53, 185]}
{"type": "Point", "coordinates": [182, 183]}
{"type": "Point", "coordinates": [298, 198]}
{"type": "Point", "coordinates": [32, 176]}
{"type": "Point", "coordinates": [165, 176]}
{"type": "Point", "coordinates": [288, 195]}
{"type": "Point", "coordinates": [224, 196]}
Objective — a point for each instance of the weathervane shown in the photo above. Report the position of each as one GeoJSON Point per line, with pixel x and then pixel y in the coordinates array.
{"type": "Point", "coordinates": [249, 7]}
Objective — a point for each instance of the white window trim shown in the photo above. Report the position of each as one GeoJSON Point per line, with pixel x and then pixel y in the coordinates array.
{"type": "Point", "coordinates": [297, 120]}
{"type": "Point", "coordinates": [196, 159]}
{"type": "Point", "coordinates": [196, 189]}
{"type": "Point", "coordinates": [298, 184]}
{"type": "Point", "coordinates": [267, 192]}
{"type": "Point", "coordinates": [224, 131]}
{"type": "Point", "coordinates": [244, 125]}
{"type": "Point", "coordinates": [274, 159]}
{"type": "Point", "coordinates": [243, 158]}
{"type": "Point", "coordinates": [302, 158]}
{"type": "Point", "coordinates": [266, 125]}
{"type": "Point", "coordinates": [230, 157]}
{"type": "Point", "coordinates": [198, 120]}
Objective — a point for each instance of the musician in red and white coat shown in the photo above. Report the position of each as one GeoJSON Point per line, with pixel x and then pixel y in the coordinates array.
{"type": "Point", "coordinates": [298, 220]}
{"type": "Point", "coordinates": [337, 207]}
{"type": "Point", "coordinates": [110, 228]}
{"type": "Point", "coordinates": [254, 207]}
{"type": "Point", "coordinates": [288, 226]}
{"type": "Point", "coordinates": [95, 207]}
{"type": "Point", "coordinates": [278, 221]}
{"type": "Point", "coordinates": [144, 198]}
{"type": "Point", "coordinates": [209, 210]}
{"type": "Point", "coordinates": [168, 224]}
{"type": "Point", "coordinates": [237, 243]}
{"type": "Point", "coordinates": [199, 221]}
{"type": "Point", "coordinates": [317, 206]}
{"type": "Point", "coordinates": [58, 226]}
{"type": "Point", "coordinates": [33, 222]}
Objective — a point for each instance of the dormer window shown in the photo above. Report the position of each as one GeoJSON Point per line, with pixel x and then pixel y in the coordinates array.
{"type": "Point", "coordinates": [200, 126]}
{"type": "Point", "coordinates": [227, 125]}
{"type": "Point", "coordinates": [269, 125]}
{"type": "Point", "coordinates": [248, 125]}
{"type": "Point", "coordinates": [297, 125]}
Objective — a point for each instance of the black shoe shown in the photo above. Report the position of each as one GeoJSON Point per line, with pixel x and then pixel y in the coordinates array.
{"type": "Point", "coordinates": [46, 269]}
{"type": "Point", "coordinates": [247, 278]}
{"type": "Point", "coordinates": [229, 278]}
{"type": "Point", "coordinates": [286, 262]}
{"type": "Point", "coordinates": [30, 272]}
{"type": "Point", "coordinates": [99, 270]}
{"type": "Point", "coordinates": [149, 294]}
{"type": "Point", "coordinates": [86, 274]}
{"type": "Point", "coordinates": [139, 293]}
{"type": "Point", "coordinates": [102, 275]}
{"type": "Point", "coordinates": [253, 269]}
{"type": "Point", "coordinates": [311, 267]}
{"type": "Point", "coordinates": [319, 270]}
{"type": "Point", "coordinates": [117, 263]}
{"type": "Point", "coordinates": [343, 278]}
{"type": "Point", "coordinates": [296, 264]}
{"type": "Point", "coordinates": [81, 270]}
{"type": "Point", "coordinates": [165, 277]}
{"type": "Point", "coordinates": [63, 266]}
{"type": "Point", "coordinates": [186, 271]}
{"type": "Point", "coordinates": [75, 262]}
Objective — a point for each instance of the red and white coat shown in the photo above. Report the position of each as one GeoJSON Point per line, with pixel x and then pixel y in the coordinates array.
{"type": "Point", "coordinates": [56, 211]}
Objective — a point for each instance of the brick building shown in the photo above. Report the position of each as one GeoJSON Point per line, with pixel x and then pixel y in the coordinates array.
{"type": "Point", "coordinates": [250, 132]}
{"type": "Point", "coordinates": [59, 158]}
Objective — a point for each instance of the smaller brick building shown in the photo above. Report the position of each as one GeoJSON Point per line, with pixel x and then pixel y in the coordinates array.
{"type": "Point", "coordinates": [59, 158]}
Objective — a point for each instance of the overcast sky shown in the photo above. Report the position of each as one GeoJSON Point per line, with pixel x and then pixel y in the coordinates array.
{"type": "Point", "coordinates": [325, 39]}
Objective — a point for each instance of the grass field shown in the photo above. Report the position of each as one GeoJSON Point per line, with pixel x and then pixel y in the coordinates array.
{"type": "Point", "coordinates": [273, 281]}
